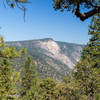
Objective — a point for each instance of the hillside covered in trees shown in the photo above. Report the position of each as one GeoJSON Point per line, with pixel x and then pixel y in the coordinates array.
{"type": "Point", "coordinates": [53, 58]}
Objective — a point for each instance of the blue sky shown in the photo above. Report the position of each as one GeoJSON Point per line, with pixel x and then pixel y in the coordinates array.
{"type": "Point", "coordinates": [42, 21]}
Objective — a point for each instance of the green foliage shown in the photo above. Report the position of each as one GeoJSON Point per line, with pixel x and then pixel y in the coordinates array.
{"type": "Point", "coordinates": [66, 92]}
{"type": "Point", "coordinates": [88, 68]}
{"type": "Point", "coordinates": [23, 51]}
{"type": "Point", "coordinates": [51, 90]}
{"type": "Point", "coordinates": [6, 85]}
{"type": "Point", "coordinates": [7, 81]}
{"type": "Point", "coordinates": [47, 88]}
{"type": "Point", "coordinates": [88, 7]}
{"type": "Point", "coordinates": [29, 81]}
{"type": "Point", "coordinates": [71, 4]}
{"type": "Point", "coordinates": [1, 42]}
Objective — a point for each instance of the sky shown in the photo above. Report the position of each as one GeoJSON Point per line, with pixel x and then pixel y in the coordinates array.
{"type": "Point", "coordinates": [42, 21]}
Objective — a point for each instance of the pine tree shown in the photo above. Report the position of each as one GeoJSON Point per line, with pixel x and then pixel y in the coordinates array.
{"type": "Point", "coordinates": [47, 89]}
{"type": "Point", "coordinates": [29, 81]}
{"type": "Point", "coordinates": [87, 71]}
{"type": "Point", "coordinates": [7, 85]}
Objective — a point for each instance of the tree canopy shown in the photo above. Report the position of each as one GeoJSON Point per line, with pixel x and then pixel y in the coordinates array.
{"type": "Point", "coordinates": [88, 68]}
{"type": "Point", "coordinates": [29, 81]}
{"type": "Point", "coordinates": [18, 3]}
{"type": "Point", "coordinates": [81, 8]}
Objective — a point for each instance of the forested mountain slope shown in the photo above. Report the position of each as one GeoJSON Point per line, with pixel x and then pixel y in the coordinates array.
{"type": "Point", "coordinates": [53, 58]}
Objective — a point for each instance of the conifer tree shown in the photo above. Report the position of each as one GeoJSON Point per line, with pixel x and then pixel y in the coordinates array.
{"type": "Point", "coordinates": [88, 68]}
{"type": "Point", "coordinates": [7, 84]}
{"type": "Point", "coordinates": [29, 81]}
{"type": "Point", "coordinates": [48, 89]}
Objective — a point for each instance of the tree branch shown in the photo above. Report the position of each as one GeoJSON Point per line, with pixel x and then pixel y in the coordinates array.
{"type": "Point", "coordinates": [84, 16]}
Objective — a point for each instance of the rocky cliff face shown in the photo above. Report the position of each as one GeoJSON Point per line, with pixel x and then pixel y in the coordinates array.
{"type": "Point", "coordinates": [53, 58]}
{"type": "Point", "coordinates": [54, 50]}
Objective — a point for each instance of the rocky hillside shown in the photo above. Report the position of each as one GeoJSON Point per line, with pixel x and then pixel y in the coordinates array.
{"type": "Point", "coordinates": [53, 58]}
